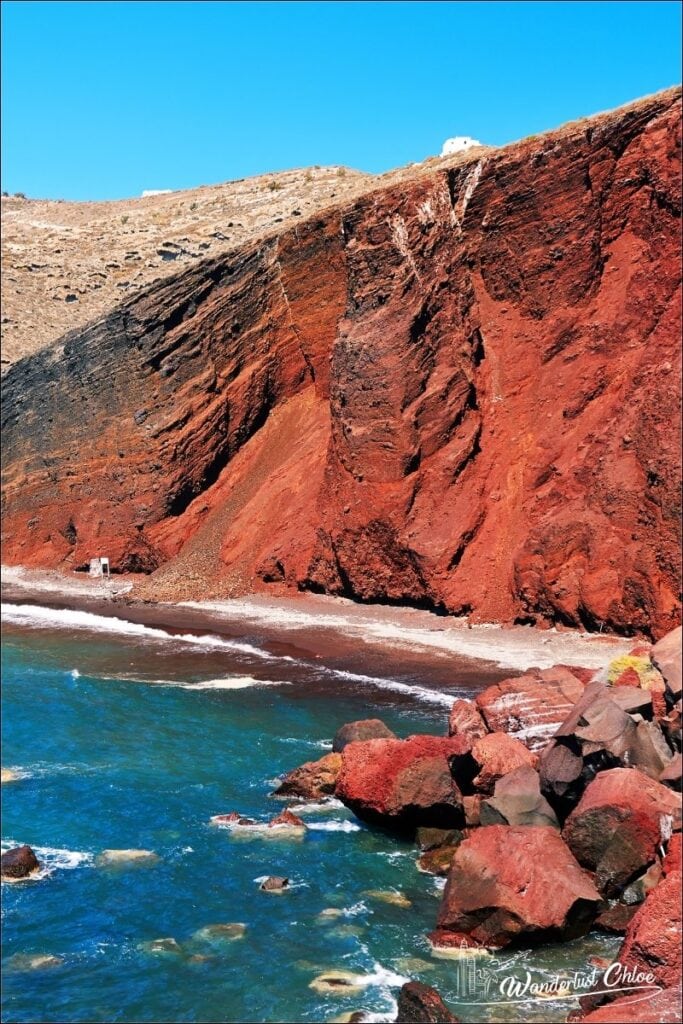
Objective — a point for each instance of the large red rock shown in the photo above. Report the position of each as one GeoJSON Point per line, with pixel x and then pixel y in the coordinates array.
{"type": "Point", "coordinates": [650, 953]}
{"type": "Point", "coordinates": [663, 1007]}
{"type": "Point", "coordinates": [314, 780]}
{"type": "Point", "coordinates": [402, 784]}
{"type": "Point", "coordinates": [620, 824]}
{"type": "Point", "coordinates": [422, 1004]}
{"type": "Point", "coordinates": [459, 390]}
{"type": "Point", "coordinates": [516, 885]}
{"type": "Point", "coordinates": [496, 755]}
{"type": "Point", "coordinates": [531, 707]}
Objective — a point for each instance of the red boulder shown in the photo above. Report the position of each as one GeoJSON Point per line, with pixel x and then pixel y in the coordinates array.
{"type": "Point", "coordinates": [403, 784]}
{"type": "Point", "coordinates": [532, 706]}
{"type": "Point", "coordinates": [313, 780]}
{"type": "Point", "coordinates": [515, 885]}
{"type": "Point", "coordinates": [619, 825]}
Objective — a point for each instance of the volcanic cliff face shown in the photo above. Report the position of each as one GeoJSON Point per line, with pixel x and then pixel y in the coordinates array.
{"type": "Point", "coordinates": [459, 391]}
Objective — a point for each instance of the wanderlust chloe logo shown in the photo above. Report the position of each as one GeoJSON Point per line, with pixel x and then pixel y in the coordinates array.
{"type": "Point", "coordinates": [492, 981]}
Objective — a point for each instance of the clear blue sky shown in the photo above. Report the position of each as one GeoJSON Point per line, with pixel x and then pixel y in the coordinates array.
{"type": "Point", "coordinates": [103, 100]}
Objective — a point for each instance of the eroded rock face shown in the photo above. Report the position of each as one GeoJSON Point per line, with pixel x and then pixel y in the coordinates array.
{"type": "Point", "coordinates": [514, 885]}
{"type": "Point", "coordinates": [403, 784]}
{"type": "Point", "coordinates": [531, 707]}
{"type": "Point", "coordinates": [620, 824]}
{"type": "Point", "coordinates": [460, 391]}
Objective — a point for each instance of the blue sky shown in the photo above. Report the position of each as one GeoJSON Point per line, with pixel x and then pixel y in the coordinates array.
{"type": "Point", "coordinates": [103, 100]}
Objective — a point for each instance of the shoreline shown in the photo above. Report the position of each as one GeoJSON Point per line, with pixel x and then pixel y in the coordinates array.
{"type": "Point", "coordinates": [416, 632]}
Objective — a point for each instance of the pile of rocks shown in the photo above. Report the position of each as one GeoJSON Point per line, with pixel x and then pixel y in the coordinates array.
{"type": "Point", "coordinates": [552, 807]}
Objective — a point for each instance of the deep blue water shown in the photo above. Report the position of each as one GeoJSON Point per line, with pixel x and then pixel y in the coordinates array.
{"type": "Point", "coordinates": [112, 762]}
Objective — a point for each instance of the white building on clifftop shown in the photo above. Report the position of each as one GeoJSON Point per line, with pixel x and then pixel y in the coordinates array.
{"type": "Point", "coordinates": [458, 144]}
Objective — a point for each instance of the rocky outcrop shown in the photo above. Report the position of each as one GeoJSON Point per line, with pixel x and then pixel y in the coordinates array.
{"type": "Point", "coordinates": [620, 825]}
{"type": "Point", "coordinates": [314, 780]}
{"type": "Point", "coordinates": [514, 885]}
{"type": "Point", "coordinates": [459, 391]}
{"type": "Point", "coordinates": [403, 784]}
{"type": "Point", "coordinates": [19, 862]}
{"type": "Point", "coordinates": [422, 1004]}
{"type": "Point", "coordinates": [650, 954]}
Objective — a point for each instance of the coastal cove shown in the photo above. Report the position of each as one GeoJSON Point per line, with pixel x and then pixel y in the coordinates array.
{"type": "Point", "coordinates": [231, 702]}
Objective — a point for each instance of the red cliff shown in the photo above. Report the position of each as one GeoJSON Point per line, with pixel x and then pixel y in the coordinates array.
{"type": "Point", "coordinates": [460, 391]}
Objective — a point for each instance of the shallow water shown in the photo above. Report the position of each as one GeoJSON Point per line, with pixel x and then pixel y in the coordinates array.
{"type": "Point", "coordinates": [109, 763]}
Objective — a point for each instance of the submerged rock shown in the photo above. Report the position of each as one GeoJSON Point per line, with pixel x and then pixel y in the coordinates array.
{"type": "Point", "coordinates": [340, 983]}
{"type": "Point", "coordinates": [620, 824]}
{"type": "Point", "coordinates": [33, 962]}
{"type": "Point", "coordinates": [365, 729]}
{"type": "Point", "coordinates": [515, 885]}
{"type": "Point", "coordinates": [396, 899]}
{"type": "Point", "coordinates": [314, 780]}
{"type": "Point", "coordinates": [19, 863]}
{"type": "Point", "coordinates": [122, 858]}
{"type": "Point", "coordinates": [9, 775]}
{"type": "Point", "coordinates": [221, 932]}
{"type": "Point", "coordinates": [163, 947]}
{"type": "Point", "coordinates": [421, 1004]}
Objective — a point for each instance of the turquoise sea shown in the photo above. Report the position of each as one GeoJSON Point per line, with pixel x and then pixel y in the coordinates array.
{"type": "Point", "coordinates": [132, 736]}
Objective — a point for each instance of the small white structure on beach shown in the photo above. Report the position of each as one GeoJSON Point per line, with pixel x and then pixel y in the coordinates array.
{"type": "Point", "coordinates": [99, 567]}
{"type": "Point", "coordinates": [458, 144]}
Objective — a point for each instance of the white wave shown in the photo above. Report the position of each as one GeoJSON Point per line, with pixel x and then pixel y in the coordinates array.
{"type": "Point", "coordinates": [43, 769]}
{"type": "Point", "coordinates": [232, 683]}
{"type": "Point", "coordinates": [334, 826]}
{"type": "Point", "coordinates": [318, 744]}
{"type": "Point", "coordinates": [75, 674]}
{"type": "Point", "coordinates": [518, 647]}
{"type": "Point", "coordinates": [316, 807]}
{"type": "Point", "coordinates": [68, 618]}
{"type": "Point", "coordinates": [421, 693]}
